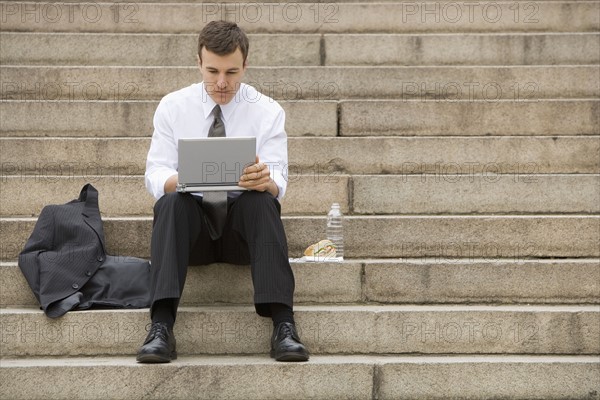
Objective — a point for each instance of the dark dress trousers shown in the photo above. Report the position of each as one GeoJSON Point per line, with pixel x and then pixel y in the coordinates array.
{"type": "Point", "coordinates": [253, 234]}
{"type": "Point", "coordinates": [67, 267]}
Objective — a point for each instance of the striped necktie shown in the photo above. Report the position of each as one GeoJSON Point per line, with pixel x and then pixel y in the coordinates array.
{"type": "Point", "coordinates": [215, 203]}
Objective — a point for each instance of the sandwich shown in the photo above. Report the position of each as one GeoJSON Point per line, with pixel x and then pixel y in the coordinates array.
{"type": "Point", "coordinates": [324, 248]}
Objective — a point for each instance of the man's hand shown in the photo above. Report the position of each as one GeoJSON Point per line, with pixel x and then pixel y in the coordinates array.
{"type": "Point", "coordinates": [171, 184]}
{"type": "Point", "coordinates": [258, 177]}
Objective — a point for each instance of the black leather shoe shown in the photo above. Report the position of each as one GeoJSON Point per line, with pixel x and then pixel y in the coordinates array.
{"type": "Point", "coordinates": [159, 346]}
{"type": "Point", "coordinates": [286, 344]}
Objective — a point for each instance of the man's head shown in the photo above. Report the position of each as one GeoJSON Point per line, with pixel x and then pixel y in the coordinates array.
{"type": "Point", "coordinates": [222, 53]}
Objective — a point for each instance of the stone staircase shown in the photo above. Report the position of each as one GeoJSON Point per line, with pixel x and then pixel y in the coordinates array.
{"type": "Point", "coordinates": [461, 140]}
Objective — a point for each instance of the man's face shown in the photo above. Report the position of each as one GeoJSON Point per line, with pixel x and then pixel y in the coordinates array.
{"type": "Point", "coordinates": [222, 75]}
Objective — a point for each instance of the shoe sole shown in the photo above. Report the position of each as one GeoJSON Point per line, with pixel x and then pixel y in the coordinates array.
{"type": "Point", "coordinates": [155, 358]}
{"type": "Point", "coordinates": [290, 356]}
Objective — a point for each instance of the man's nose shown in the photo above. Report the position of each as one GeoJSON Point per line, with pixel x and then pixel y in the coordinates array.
{"type": "Point", "coordinates": [221, 82]}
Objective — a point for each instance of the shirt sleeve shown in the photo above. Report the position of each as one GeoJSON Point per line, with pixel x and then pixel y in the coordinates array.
{"type": "Point", "coordinates": [162, 156]}
{"type": "Point", "coordinates": [273, 151]}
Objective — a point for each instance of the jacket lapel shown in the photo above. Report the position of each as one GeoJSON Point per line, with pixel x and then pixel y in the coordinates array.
{"type": "Point", "coordinates": [91, 211]}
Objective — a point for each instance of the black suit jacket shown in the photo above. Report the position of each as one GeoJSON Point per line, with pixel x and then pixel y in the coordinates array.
{"type": "Point", "coordinates": [66, 265]}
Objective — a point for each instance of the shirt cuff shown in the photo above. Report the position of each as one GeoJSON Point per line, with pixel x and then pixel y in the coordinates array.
{"type": "Point", "coordinates": [281, 185]}
{"type": "Point", "coordinates": [155, 183]}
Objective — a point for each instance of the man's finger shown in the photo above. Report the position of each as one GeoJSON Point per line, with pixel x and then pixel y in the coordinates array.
{"type": "Point", "coordinates": [252, 168]}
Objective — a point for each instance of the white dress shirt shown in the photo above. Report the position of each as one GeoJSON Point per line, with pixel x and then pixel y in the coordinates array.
{"type": "Point", "coordinates": [186, 113]}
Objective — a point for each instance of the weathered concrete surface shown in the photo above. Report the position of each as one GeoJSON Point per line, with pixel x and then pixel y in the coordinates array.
{"type": "Point", "coordinates": [443, 279]}
{"type": "Point", "coordinates": [319, 118]}
{"type": "Point", "coordinates": [323, 377]}
{"type": "Point", "coordinates": [449, 193]}
{"type": "Point", "coordinates": [462, 49]}
{"type": "Point", "coordinates": [449, 237]}
{"type": "Point", "coordinates": [226, 283]}
{"type": "Point", "coordinates": [127, 195]}
{"type": "Point", "coordinates": [493, 377]}
{"type": "Point", "coordinates": [33, 48]}
{"type": "Point", "coordinates": [397, 17]}
{"type": "Point", "coordinates": [448, 329]}
{"type": "Point", "coordinates": [517, 83]}
{"type": "Point", "coordinates": [431, 155]}
{"type": "Point", "coordinates": [469, 118]}
{"type": "Point", "coordinates": [446, 193]}
{"type": "Point", "coordinates": [240, 377]}
{"type": "Point", "coordinates": [146, 49]}
{"type": "Point", "coordinates": [134, 118]}
{"type": "Point", "coordinates": [429, 280]}
{"type": "Point", "coordinates": [325, 158]}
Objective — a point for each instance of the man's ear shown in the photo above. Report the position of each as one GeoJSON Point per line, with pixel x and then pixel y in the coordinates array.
{"type": "Point", "coordinates": [199, 60]}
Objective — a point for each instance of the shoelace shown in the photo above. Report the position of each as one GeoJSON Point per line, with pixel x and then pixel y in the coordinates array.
{"type": "Point", "coordinates": [286, 330]}
{"type": "Point", "coordinates": [157, 330]}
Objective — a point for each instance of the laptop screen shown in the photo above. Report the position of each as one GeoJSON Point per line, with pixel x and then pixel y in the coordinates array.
{"type": "Point", "coordinates": [210, 162]}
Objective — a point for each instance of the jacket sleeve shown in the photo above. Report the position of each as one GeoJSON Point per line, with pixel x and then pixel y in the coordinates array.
{"type": "Point", "coordinates": [40, 241]}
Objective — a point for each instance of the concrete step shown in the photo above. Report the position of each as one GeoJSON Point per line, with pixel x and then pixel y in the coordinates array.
{"type": "Point", "coordinates": [446, 118]}
{"type": "Point", "coordinates": [485, 236]}
{"type": "Point", "coordinates": [134, 118]}
{"type": "Point", "coordinates": [446, 280]}
{"type": "Point", "coordinates": [396, 17]}
{"type": "Point", "coordinates": [33, 48]}
{"type": "Point", "coordinates": [462, 49]}
{"type": "Point", "coordinates": [320, 117]}
{"type": "Point", "coordinates": [458, 193]}
{"type": "Point", "coordinates": [147, 49]}
{"type": "Point", "coordinates": [249, 3]}
{"type": "Point", "coordinates": [325, 282]}
{"type": "Point", "coordinates": [325, 329]}
{"type": "Point", "coordinates": [517, 83]}
{"type": "Point", "coordinates": [430, 280]}
{"type": "Point", "coordinates": [127, 195]}
{"type": "Point", "coordinates": [325, 158]}
{"type": "Point", "coordinates": [449, 192]}
{"type": "Point", "coordinates": [323, 377]}
{"type": "Point", "coordinates": [435, 155]}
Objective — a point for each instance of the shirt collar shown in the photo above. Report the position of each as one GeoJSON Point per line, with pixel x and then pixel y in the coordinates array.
{"type": "Point", "coordinates": [208, 104]}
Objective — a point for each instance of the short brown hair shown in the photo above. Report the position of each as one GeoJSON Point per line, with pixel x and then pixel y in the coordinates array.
{"type": "Point", "coordinates": [223, 38]}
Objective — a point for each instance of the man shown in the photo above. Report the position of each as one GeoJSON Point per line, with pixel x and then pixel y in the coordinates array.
{"type": "Point", "coordinates": [183, 232]}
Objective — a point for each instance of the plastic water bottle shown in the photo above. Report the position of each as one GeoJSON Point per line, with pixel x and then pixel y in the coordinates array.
{"type": "Point", "coordinates": [335, 229]}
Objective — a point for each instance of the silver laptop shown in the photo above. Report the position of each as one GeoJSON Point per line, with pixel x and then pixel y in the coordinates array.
{"type": "Point", "coordinates": [217, 163]}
